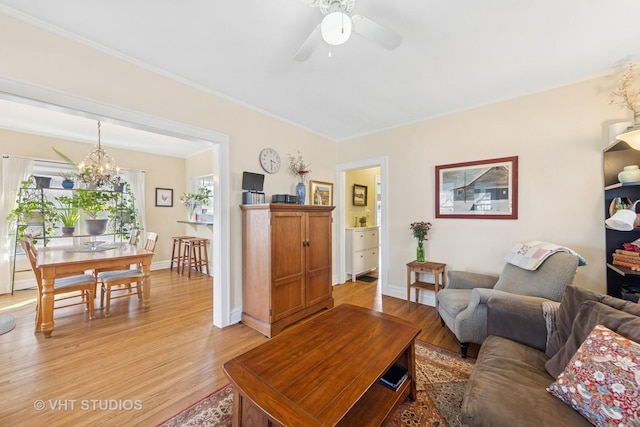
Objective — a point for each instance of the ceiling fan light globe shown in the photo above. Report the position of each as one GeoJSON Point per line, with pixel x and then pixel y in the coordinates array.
{"type": "Point", "coordinates": [336, 28]}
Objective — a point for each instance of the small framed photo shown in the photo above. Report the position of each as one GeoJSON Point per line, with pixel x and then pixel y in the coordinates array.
{"type": "Point", "coordinates": [321, 193]}
{"type": "Point", "coordinates": [359, 195]}
{"type": "Point", "coordinates": [164, 197]}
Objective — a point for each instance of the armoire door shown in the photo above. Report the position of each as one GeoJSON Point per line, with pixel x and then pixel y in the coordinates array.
{"type": "Point", "coordinates": [318, 257]}
{"type": "Point", "coordinates": [288, 234]}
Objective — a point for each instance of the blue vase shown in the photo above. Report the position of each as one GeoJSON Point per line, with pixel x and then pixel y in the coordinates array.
{"type": "Point", "coordinates": [300, 192]}
{"type": "Point", "coordinates": [67, 183]}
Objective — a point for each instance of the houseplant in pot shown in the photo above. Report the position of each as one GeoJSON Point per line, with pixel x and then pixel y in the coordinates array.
{"type": "Point", "coordinates": [193, 201]}
{"type": "Point", "coordinates": [68, 214]}
{"type": "Point", "coordinates": [68, 179]}
{"type": "Point", "coordinates": [33, 214]}
{"type": "Point", "coordinates": [93, 203]}
{"type": "Point", "coordinates": [123, 215]}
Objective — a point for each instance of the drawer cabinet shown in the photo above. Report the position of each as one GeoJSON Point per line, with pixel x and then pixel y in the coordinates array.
{"type": "Point", "coordinates": [363, 245]}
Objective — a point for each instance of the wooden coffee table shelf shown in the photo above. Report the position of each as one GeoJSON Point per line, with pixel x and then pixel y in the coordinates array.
{"type": "Point", "coordinates": [325, 371]}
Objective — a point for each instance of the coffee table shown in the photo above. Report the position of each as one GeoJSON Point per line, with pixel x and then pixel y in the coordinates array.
{"type": "Point", "coordinates": [325, 371]}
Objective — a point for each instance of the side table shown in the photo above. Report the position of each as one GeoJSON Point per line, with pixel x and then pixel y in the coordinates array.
{"type": "Point", "coordinates": [435, 268]}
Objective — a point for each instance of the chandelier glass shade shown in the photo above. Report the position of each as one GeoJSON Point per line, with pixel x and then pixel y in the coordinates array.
{"type": "Point", "coordinates": [336, 28]}
{"type": "Point", "coordinates": [98, 168]}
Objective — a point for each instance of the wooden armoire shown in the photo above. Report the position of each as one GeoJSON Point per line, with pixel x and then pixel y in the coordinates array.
{"type": "Point", "coordinates": [286, 264]}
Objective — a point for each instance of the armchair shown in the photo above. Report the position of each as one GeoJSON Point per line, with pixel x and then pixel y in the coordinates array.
{"type": "Point", "coordinates": [462, 304]}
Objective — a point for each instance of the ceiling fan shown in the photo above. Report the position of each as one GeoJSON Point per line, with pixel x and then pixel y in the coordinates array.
{"type": "Point", "coordinates": [336, 27]}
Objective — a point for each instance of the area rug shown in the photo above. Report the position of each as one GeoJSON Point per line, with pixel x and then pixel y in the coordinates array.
{"type": "Point", "coordinates": [368, 279]}
{"type": "Point", "coordinates": [7, 323]}
{"type": "Point", "coordinates": [441, 376]}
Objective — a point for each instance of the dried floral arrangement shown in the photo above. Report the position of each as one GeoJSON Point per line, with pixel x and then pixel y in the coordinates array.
{"type": "Point", "coordinates": [627, 94]}
{"type": "Point", "coordinates": [298, 167]}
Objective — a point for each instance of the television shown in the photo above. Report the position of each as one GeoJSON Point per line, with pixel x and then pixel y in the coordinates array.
{"type": "Point", "coordinates": [252, 181]}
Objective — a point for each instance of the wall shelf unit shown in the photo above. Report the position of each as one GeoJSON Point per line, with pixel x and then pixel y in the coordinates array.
{"type": "Point", "coordinates": [622, 282]}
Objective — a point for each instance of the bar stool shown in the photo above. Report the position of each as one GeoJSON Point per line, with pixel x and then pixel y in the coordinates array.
{"type": "Point", "coordinates": [195, 255]}
{"type": "Point", "coordinates": [177, 254]}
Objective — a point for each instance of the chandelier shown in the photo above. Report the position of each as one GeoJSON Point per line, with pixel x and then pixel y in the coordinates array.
{"type": "Point", "coordinates": [98, 168]}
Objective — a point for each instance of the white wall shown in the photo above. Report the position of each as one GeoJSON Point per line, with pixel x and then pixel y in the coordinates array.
{"type": "Point", "coordinates": [558, 136]}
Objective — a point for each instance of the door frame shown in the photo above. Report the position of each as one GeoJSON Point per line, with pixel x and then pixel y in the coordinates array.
{"type": "Point", "coordinates": [20, 92]}
{"type": "Point", "coordinates": [341, 221]}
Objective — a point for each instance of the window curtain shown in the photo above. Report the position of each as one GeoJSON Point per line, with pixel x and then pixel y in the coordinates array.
{"type": "Point", "coordinates": [14, 171]}
{"type": "Point", "coordinates": [135, 178]}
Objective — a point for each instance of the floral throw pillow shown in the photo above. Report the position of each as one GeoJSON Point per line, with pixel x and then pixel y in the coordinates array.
{"type": "Point", "coordinates": [602, 380]}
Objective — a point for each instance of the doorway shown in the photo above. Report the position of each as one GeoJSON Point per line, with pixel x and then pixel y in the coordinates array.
{"type": "Point", "coordinates": [346, 214]}
{"type": "Point", "coordinates": [26, 94]}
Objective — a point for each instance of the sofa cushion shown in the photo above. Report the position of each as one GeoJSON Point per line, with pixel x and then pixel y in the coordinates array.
{"type": "Point", "coordinates": [507, 387]}
{"type": "Point", "coordinates": [601, 380]}
{"type": "Point", "coordinates": [569, 306]}
{"type": "Point", "coordinates": [590, 314]}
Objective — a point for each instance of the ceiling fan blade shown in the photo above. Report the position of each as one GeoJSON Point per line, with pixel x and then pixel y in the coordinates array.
{"type": "Point", "coordinates": [309, 45]}
{"type": "Point", "coordinates": [375, 32]}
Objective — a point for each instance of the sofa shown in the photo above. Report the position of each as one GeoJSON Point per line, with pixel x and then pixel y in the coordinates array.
{"type": "Point", "coordinates": [534, 349]}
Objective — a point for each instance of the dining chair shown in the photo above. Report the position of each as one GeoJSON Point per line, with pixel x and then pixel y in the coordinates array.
{"type": "Point", "coordinates": [81, 286]}
{"type": "Point", "coordinates": [133, 239]}
{"type": "Point", "coordinates": [125, 282]}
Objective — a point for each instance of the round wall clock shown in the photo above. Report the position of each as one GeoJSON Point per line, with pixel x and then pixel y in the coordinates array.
{"type": "Point", "coordinates": [270, 160]}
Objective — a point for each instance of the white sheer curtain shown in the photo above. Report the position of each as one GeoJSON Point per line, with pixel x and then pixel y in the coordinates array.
{"type": "Point", "coordinates": [135, 178]}
{"type": "Point", "coordinates": [14, 171]}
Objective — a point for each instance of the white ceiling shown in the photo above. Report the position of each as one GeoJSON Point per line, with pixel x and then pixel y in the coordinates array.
{"type": "Point", "coordinates": [455, 54]}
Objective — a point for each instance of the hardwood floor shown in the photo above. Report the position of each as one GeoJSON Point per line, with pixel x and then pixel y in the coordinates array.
{"type": "Point", "coordinates": [140, 367]}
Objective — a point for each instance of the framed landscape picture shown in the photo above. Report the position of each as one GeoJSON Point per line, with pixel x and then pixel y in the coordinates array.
{"type": "Point", "coordinates": [321, 193]}
{"type": "Point", "coordinates": [359, 195]}
{"type": "Point", "coordinates": [484, 189]}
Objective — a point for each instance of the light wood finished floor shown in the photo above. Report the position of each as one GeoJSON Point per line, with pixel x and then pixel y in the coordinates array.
{"type": "Point", "coordinates": [102, 371]}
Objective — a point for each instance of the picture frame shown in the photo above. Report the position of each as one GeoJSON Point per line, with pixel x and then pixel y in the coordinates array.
{"type": "Point", "coordinates": [164, 197]}
{"type": "Point", "coordinates": [321, 193]}
{"type": "Point", "coordinates": [359, 195]}
{"type": "Point", "coordinates": [483, 189]}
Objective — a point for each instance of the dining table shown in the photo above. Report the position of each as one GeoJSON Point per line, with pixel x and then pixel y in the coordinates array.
{"type": "Point", "coordinates": [60, 261]}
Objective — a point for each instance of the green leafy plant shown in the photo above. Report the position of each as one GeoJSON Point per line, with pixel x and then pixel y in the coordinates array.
{"type": "Point", "coordinates": [193, 200]}
{"type": "Point", "coordinates": [362, 220]}
{"type": "Point", "coordinates": [32, 206]}
{"type": "Point", "coordinates": [123, 215]}
{"type": "Point", "coordinates": [68, 176]}
{"type": "Point", "coordinates": [69, 212]}
{"type": "Point", "coordinates": [94, 202]}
